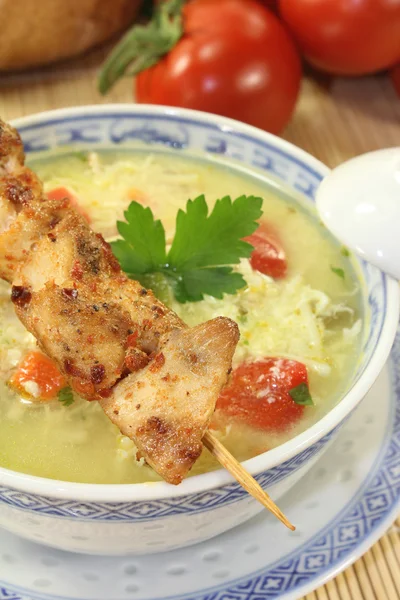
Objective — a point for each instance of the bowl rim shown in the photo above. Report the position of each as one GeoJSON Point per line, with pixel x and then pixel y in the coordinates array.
{"type": "Point", "coordinates": [136, 492]}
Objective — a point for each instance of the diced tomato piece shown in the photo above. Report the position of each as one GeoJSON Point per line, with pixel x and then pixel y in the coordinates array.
{"type": "Point", "coordinates": [61, 192]}
{"type": "Point", "coordinates": [258, 393]}
{"type": "Point", "coordinates": [268, 256]}
{"type": "Point", "coordinates": [38, 368]}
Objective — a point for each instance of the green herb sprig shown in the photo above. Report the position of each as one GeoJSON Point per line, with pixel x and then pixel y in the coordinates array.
{"type": "Point", "coordinates": [338, 271]}
{"type": "Point", "coordinates": [204, 248]}
{"type": "Point", "coordinates": [66, 396]}
{"type": "Point", "coordinates": [301, 395]}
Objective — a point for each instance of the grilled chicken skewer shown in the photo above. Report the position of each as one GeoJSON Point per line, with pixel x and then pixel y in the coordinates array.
{"type": "Point", "coordinates": [156, 379]}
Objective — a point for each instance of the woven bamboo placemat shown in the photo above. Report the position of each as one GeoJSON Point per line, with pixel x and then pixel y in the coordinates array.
{"type": "Point", "coordinates": [334, 121]}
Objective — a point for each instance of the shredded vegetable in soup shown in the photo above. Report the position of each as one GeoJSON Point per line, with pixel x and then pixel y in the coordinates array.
{"type": "Point", "coordinates": [298, 312]}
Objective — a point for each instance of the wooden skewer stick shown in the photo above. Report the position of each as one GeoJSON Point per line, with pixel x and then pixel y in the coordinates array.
{"type": "Point", "coordinates": [225, 458]}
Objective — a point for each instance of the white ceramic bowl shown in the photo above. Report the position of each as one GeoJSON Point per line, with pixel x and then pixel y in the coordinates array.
{"type": "Point", "coordinates": [142, 518]}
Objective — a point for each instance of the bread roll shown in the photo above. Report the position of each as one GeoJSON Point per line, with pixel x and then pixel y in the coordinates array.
{"type": "Point", "coordinates": [38, 32]}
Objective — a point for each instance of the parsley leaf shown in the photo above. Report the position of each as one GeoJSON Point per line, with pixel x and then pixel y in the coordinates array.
{"type": "Point", "coordinates": [203, 240]}
{"type": "Point", "coordinates": [66, 396]}
{"type": "Point", "coordinates": [301, 395]}
{"type": "Point", "coordinates": [339, 272]}
{"type": "Point", "coordinates": [143, 248]}
{"type": "Point", "coordinates": [203, 248]}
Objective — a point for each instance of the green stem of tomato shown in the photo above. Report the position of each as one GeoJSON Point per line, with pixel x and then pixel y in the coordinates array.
{"type": "Point", "coordinates": [143, 45]}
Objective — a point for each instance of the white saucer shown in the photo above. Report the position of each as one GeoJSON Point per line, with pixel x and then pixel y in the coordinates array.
{"type": "Point", "coordinates": [340, 509]}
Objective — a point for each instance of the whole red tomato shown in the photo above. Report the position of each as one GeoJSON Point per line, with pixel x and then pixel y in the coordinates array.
{"type": "Point", "coordinates": [235, 59]}
{"type": "Point", "coordinates": [348, 37]}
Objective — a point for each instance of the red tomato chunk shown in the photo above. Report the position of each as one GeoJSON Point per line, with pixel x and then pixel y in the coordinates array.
{"type": "Point", "coordinates": [258, 393]}
{"type": "Point", "coordinates": [38, 368]}
{"type": "Point", "coordinates": [268, 256]}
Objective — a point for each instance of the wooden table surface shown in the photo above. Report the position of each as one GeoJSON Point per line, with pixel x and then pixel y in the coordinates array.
{"type": "Point", "coordinates": [334, 120]}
